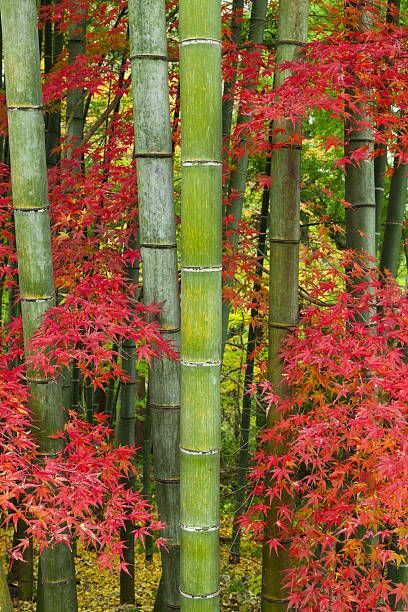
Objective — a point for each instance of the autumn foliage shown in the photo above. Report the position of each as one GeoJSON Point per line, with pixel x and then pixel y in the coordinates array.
{"type": "Point", "coordinates": [339, 473]}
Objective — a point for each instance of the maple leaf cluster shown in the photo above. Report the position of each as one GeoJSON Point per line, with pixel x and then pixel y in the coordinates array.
{"type": "Point", "coordinates": [334, 466]}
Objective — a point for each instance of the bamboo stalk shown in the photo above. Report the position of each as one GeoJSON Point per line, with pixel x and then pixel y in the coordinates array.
{"type": "Point", "coordinates": [5, 599]}
{"type": "Point", "coordinates": [359, 179]}
{"type": "Point", "coordinates": [153, 152]}
{"type": "Point", "coordinates": [228, 94]}
{"type": "Point", "coordinates": [284, 268]}
{"type": "Point", "coordinates": [201, 151]}
{"type": "Point", "coordinates": [238, 178]}
{"type": "Point", "coordinates": [33, 240]}
{"type": "Point", "coordinates": [390, 253]}
{"type": "Point", "coordinates": [75, 97]}
{"type": "Point", "coordinates": [253, 333]}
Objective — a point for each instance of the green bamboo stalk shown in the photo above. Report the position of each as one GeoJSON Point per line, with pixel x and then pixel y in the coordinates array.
{"type": "Point", "coordinates": [33, 239]}
{"type": "Point", "coordinates": [147, 469]}
{"type": "Point", "coordinates": [75, 97]}
{"type": "Point", "coordinates": [201, 195]}
{"type": "Point", "coordinates": [20, 577]}
{"type": "Point", "coordinates": [153, 152]}
{"type": "Point", "coordinates": [380, 167]}
{"type": "Point", "coordinates": [5, 599]}
{"type": "Point", "coordinates": [243, 458]}
{"type": "Point", "coordinates": [228, 97]}
{"type": "Point", "coordinates": [238, 178]}
{"type": "Point", "coordinates": [359, 179]}
{"type": "Point", "coordinates": [126, 424]}
{"type": "Point", "coordinates": [390, 252]}
{"type": "Point", "coordinates": [53, 127]}
{"type": "Point", "coordinates": [284, 268]}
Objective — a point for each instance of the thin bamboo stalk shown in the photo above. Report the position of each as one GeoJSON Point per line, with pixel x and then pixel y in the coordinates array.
{"type": "Point", "coordinates": [53, 127]}
{"type": "Point", "coordinates": [228, 94]}
{"type": "Point", "coordinates": [390, 253]}
{"type": "Point", "coordinates": [33, 240]}
{"type": "Point", "coordinates": [253, 333]}
{"type": "Point", "coordinates": [238, 178]}
{"type": "Point", "coordinates": [201, 193]}
{"type": "Point", "coordinates": [284, 268]}
{"type": "Point", "coordinates": [75, 97]}
{"type": "Point", "coordinates": [5, 599]}
{"type": "Point", "coordinates": [153, 152]}
{"type": "Point", "coordinates": [359, 179]}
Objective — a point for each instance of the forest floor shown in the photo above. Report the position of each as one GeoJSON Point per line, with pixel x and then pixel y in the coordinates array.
{"type": "Point", "coordinates": [98, 590]}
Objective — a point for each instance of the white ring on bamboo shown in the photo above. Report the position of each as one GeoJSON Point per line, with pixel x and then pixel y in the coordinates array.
{"type": "Point", "coordinates": [186, 451]}
{"type": "Point", "coordinates": [200, 41]}
{"type": "Point", "coordinates": [199, 529]}
{"type": "Point", "coordinates": [201, 269]}
{"type": "Point", "coordinates": [210, 596]}
{"type": "Point", "coordinates": [200, 162]}
{"type": "Point", "coordinates": [205, 364]}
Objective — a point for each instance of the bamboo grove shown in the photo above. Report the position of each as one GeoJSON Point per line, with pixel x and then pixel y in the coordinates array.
{"type": "Point", "coordinates": [203, 312]}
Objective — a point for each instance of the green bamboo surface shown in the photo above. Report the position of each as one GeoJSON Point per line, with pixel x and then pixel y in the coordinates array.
{"type": "Point", "coordinates": [397, 202]}
{"type": "Point", "coordinates": [153, 152]}
{"type": "Point", "coordinates": [33, 240]}
{"type": "Point", "coordinates": [75, 97]}
{"type": "Point", "coordinates": [284, 236]}
{"type": "Point", "coordinates": [5, 599]}
{"type": "Point", "coordinates": [360, 179]}
{"type": "Point", "coordinates": [201, 151]}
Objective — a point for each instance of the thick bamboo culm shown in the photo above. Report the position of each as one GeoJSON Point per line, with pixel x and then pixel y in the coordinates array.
{"type": "Point", "coordinates": [201, 194]}
{"type": "Point", "coordinates": [33, 240]}
{"type": "Point", "coordinates": [154, 164]}
{"type": "Point", "coordinates": [284, 236]}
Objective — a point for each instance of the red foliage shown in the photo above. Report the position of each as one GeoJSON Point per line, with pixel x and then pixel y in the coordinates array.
{"type": "Point", "coordinates": [339, 473]}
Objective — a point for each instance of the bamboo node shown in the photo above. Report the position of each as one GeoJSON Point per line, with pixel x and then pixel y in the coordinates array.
{"type": "Point", "coordinates": [31, 209]}
{"type": "Point", "coordinates": [206, 364]}
{"type": "Point", "coordinates": [47, 298]}
{"type": "Point", "coordinates": [59, 582]}
{"type": "Point", "coordinates": [153, 155]}
{"type": "Point", "coordinates": [278, 325]}
{"type": "Point", "coordinates": [25, 107]}
{"type": "Point", "coordinates": [200, 41]}
{"type": "Point", "coordinates": [199, 529]}
{"type": "Point", "coordinates": [201, 268]}
{"type": "Point", "coordinates": [283, 241]}
{"type": "Point", "coordinates": [191, 596]}
{"type": "Point", "coordinates": [187, 451]}
{"type": "Point", "coordinates": [152, 56]}
{"type": "Point", "coordinates": [200, 162]}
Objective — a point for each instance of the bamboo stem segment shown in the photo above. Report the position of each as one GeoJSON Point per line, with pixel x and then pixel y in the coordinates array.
{"type": "Point", "coordinates": [153, 152]}
{"type": "Point", "coordinates": [284, 268]}
{"type": "Point", "coordinates": [33, 240]}
{"type": "Point", "coordinates": [201, 151]}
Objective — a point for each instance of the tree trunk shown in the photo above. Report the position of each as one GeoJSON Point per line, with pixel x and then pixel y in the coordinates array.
{"type": "Point", "coordinates": [284, 267]}
{"type": "Point", "coordinates": [153, 152]}
{"type": "Point", "coordinates": [390, 252]}
{"type": "Point", "coordinates": [33, 240]}
{"type": "Point", "coordinates": [200, 75]}
{"type": "Point", "coordinates": [237, 182]}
